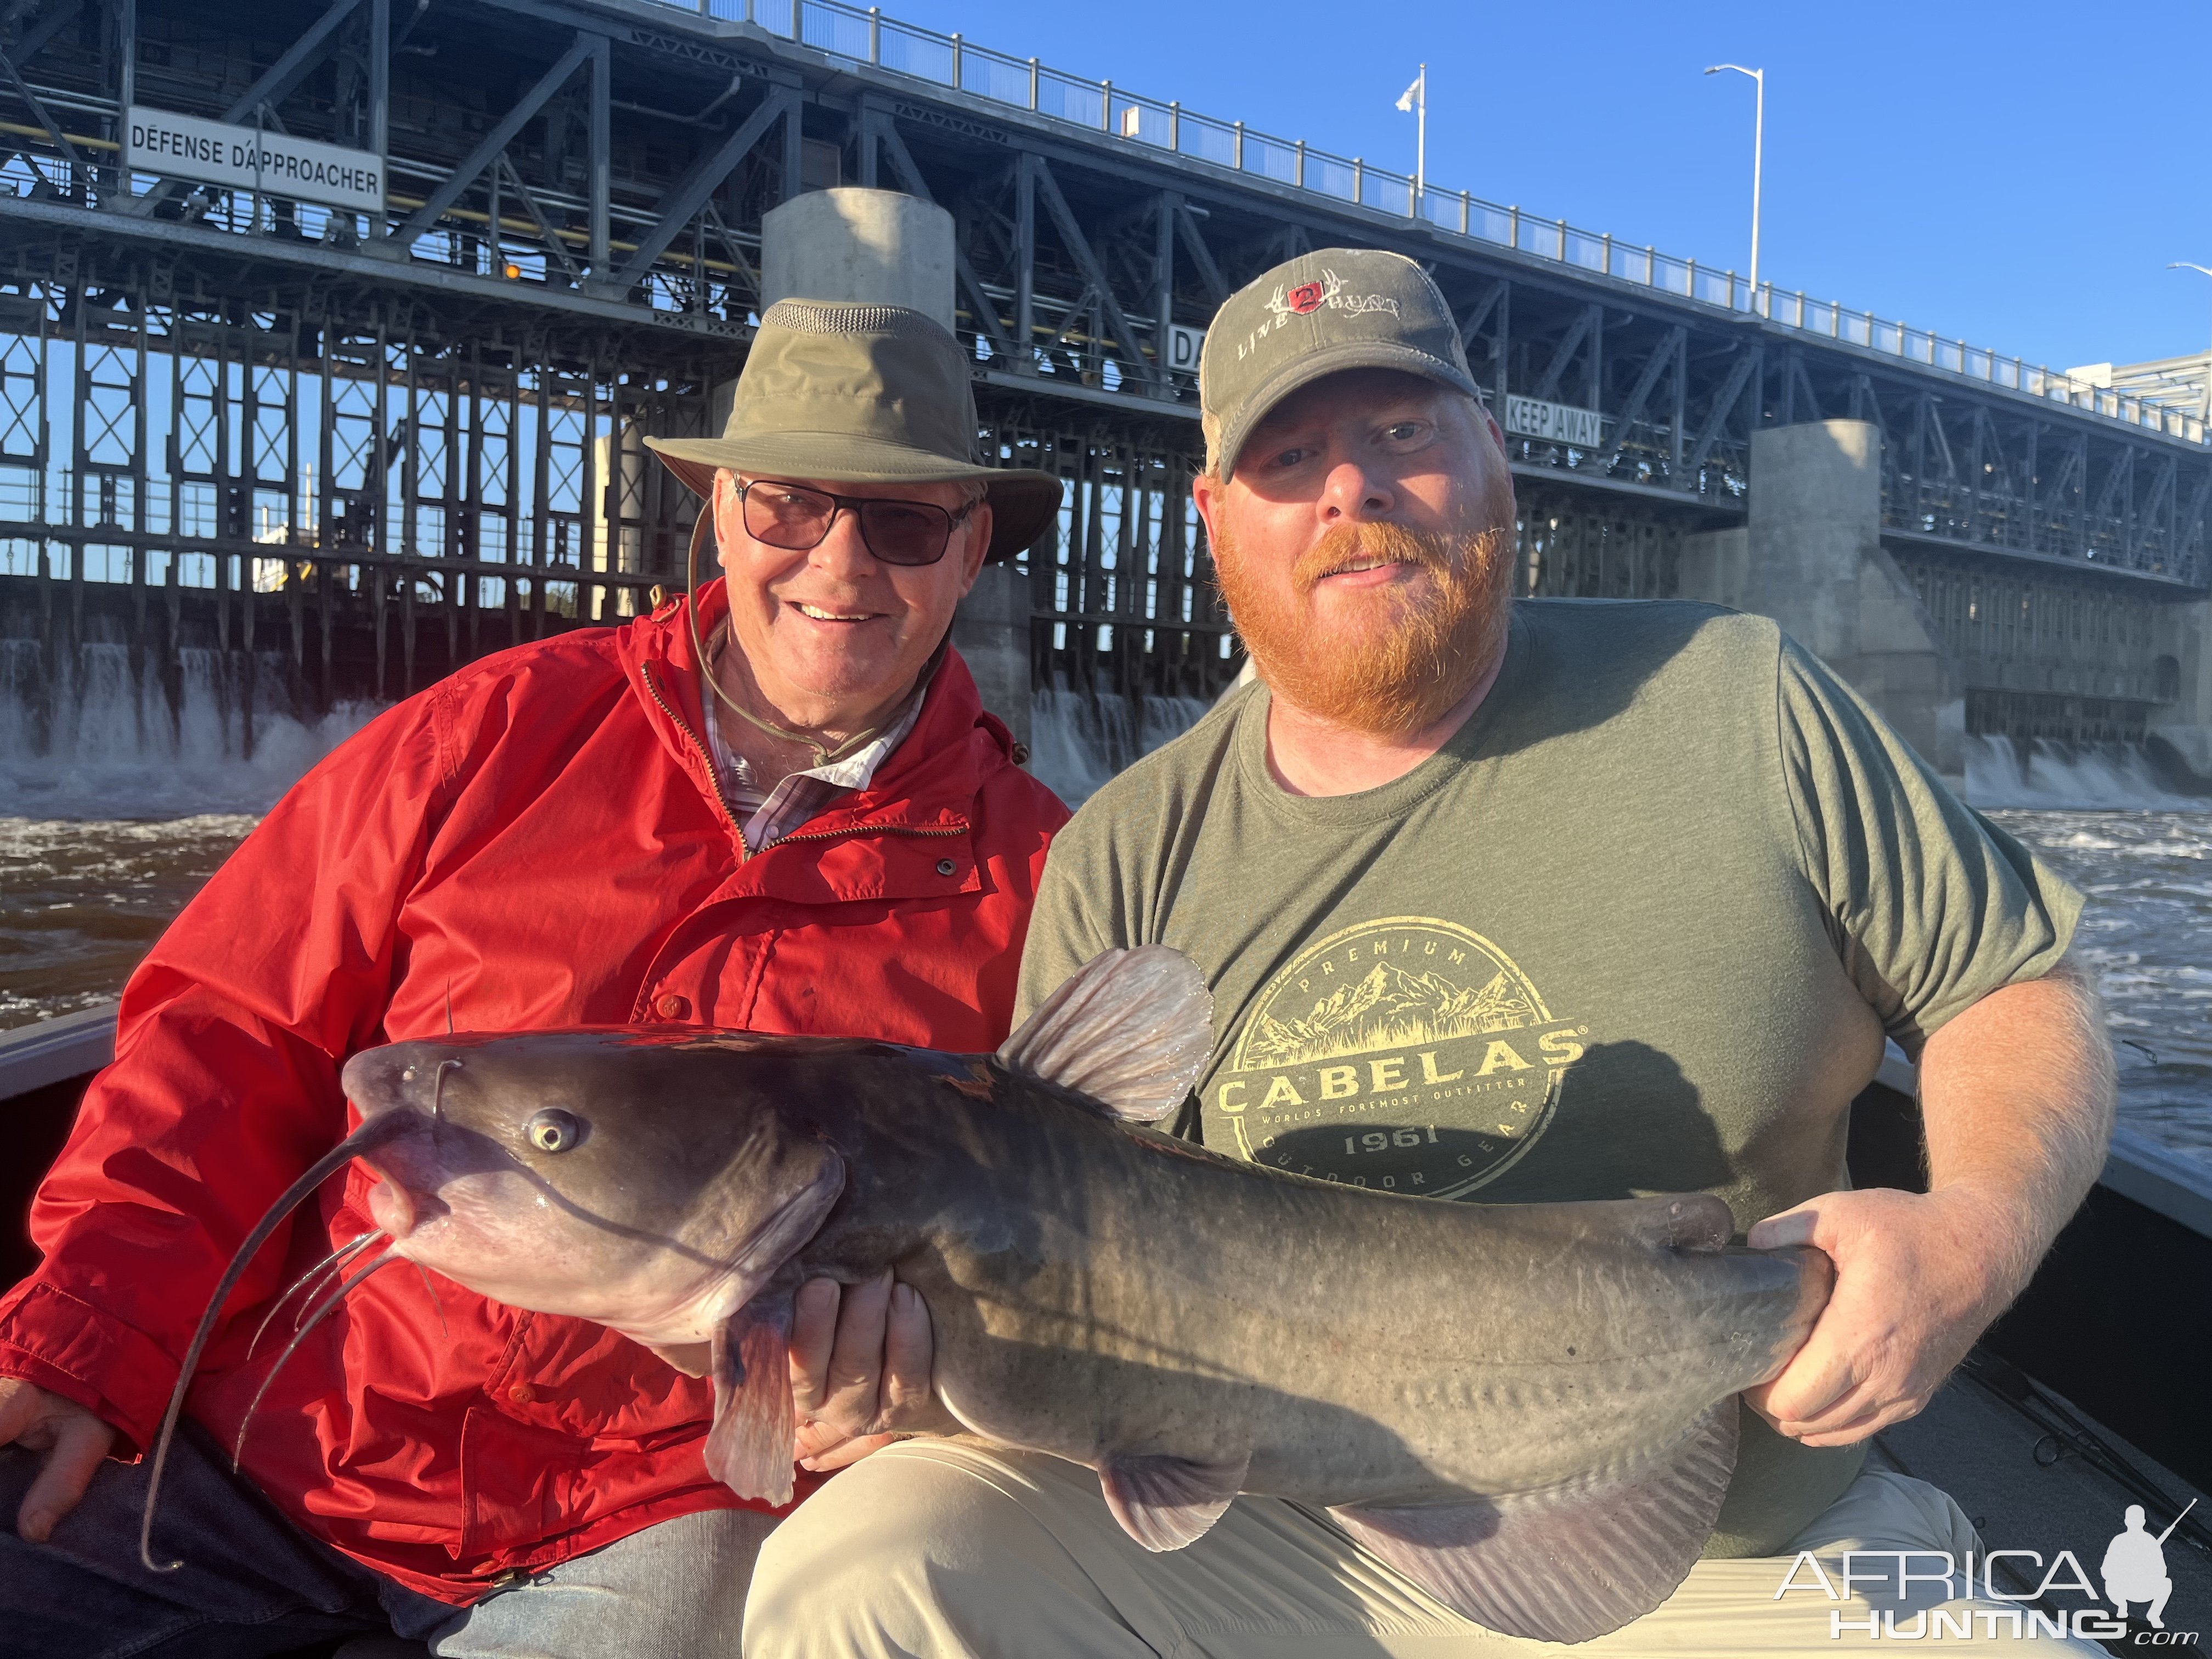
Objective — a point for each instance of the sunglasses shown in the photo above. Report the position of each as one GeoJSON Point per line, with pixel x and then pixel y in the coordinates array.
{"type": "Point", "coordinates": [797, 517]}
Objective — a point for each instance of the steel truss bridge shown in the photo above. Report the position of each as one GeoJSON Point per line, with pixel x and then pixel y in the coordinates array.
{"type": "Point", "coordinates": [237, 426]}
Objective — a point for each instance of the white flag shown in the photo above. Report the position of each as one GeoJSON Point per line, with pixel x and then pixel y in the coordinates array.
{"type": "Point", "coordinates": [1417, 90]}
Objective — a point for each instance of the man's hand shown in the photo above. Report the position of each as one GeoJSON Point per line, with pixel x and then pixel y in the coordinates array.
{"type": "Point", "coordinates": [74, 1441]}
{"type": "Point", "coordinates": [861, 1361]}
{"type": "Point", "coordinates": [1919, 1277]}
{"type": "Point", "coordinates": [2016, 1099]}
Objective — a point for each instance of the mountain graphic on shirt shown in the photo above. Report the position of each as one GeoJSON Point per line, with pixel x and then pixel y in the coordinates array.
{"type": "Point", "coordinates": [1389, 1008]}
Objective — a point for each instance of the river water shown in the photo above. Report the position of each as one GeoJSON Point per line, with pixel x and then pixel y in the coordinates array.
{"type": "Point", "coordinates": [95, 860]}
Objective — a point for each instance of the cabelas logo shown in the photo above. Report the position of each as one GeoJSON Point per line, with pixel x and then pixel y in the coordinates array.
{"type": "Point", "coordinates": [1324, 292]}
{"type": "Point", "coordinates": [1408, 1054]}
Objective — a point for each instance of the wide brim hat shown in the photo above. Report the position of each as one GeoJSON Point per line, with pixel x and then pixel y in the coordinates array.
{"type": "Point", "coordinates": [841, 392]}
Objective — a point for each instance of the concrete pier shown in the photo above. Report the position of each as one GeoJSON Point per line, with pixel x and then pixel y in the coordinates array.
{"type": "Point", "coordinates": [1811, 557]}
{"type": "Point", "coordinates": [875, 245]}
{"type": "Point", "coordinates": [2180, 736]}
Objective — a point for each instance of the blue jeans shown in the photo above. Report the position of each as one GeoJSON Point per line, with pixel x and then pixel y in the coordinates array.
{"type": "Point", "coordinates": [253, 1586]}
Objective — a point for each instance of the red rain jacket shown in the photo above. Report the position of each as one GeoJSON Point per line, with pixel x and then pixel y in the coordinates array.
{"type": "Point", "coordinates": [539, 837]}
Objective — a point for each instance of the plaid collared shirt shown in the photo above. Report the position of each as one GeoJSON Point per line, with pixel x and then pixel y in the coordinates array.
{"type": "Point", "coordinates": [765, 817]}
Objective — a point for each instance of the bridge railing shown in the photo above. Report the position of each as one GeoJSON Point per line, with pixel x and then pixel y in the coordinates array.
{"type": "Point", "coordinates": [863, 34]}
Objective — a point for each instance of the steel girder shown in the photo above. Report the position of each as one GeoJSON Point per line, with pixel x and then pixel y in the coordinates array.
{"type": "Point", "coordinates": [2010, 477]}
{"type": "Point", "coordinates": [581, 184]}
{"type": "Point", "coordinates": [1077, 250]}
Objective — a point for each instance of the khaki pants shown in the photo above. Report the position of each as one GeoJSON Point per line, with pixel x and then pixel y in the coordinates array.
{"type": "Point", "coordinates": [935, 1548]}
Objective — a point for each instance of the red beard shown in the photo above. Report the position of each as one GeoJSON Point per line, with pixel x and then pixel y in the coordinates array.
{"type": "Point", "coordinates": [1402, 659]}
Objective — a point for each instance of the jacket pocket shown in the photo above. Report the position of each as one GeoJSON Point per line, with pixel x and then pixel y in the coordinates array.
{"type": "Point", "coordinates": [514, 1476]}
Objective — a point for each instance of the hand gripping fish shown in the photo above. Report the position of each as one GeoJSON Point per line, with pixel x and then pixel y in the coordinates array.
{"type": "Point", "coordinates": [1529, 1410]}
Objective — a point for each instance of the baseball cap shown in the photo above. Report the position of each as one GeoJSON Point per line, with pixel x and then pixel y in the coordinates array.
{"type": "Point", "coordinates": [1317, 314]}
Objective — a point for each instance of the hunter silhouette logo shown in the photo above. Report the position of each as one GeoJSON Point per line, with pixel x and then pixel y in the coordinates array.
{"type": "Point", "coordinates": [2134, 1568]}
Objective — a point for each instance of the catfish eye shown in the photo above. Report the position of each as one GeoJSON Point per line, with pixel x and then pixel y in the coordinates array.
{"type": "Point", "coordinates": [553, 1130]}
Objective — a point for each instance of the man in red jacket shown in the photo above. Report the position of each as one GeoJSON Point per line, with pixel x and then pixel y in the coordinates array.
{"type": "Point", "coordinates": [780, 807]}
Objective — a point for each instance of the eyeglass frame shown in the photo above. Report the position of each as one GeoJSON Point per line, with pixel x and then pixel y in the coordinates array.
{"type": "Point", "coordinates": [853, 503]}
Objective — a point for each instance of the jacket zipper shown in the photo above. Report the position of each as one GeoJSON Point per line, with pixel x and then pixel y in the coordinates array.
{"type": "Point", "coordinates": [653, 689]}
{"type": "Point", "coordinates": [864, 829]}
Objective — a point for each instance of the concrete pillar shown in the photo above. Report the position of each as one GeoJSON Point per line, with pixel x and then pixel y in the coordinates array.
{"type": "Point", "coordinates": [877, 246]}
{"type": "Point", "coordinates": [2180, 735]}
{"type": "Point", "coordinates": [1812, 558]}
{"type": "Point", "coordinates": [991, 631]}
{"type": "Point", "coordinates": [1715, 567]}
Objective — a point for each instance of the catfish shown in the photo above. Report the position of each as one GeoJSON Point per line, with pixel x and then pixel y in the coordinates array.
{"type": "Point", "coordinates": [1529, 1410]}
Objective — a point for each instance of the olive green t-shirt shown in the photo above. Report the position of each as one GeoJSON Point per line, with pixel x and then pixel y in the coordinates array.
{"type": "Point", "coordinates": [1639, 927]}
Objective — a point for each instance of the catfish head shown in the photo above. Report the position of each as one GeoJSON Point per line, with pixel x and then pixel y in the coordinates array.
{"type": "Point", "coordinates": [640, 1179]}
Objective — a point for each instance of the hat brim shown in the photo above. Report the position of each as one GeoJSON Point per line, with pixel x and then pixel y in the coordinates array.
{"type": "Point", "coordinates": [1023, 502]}
{"type": "Point", "coordinates": [1314, 365]}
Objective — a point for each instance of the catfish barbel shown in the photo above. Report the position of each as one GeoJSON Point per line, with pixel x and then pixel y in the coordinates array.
{"type": "Point", "coordinates": [1529, 1410]}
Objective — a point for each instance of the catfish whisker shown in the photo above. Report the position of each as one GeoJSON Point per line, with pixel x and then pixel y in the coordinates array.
{"type": "Point", "coordinates": [442, 1329]}
{"type": "Point", "coordinates": [337, 1258]}
{"type": "Point", "coordinates": [323, 1310]}
{"type": "Point", "coordinates": [375, 1132]}
{"type": "Point", "coordinates": [333, 1274]}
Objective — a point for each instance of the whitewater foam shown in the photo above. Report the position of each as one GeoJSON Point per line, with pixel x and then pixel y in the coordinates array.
{"type": "Point", "coordinates": [1077, 740]}
{"type": "Point", "coordinates": [101, 742]}
{"type": "Point", "coordinates": [2043, 774]}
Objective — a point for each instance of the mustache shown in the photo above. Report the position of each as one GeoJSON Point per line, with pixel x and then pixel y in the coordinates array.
{"type": "Point", "coordinates": [1348, 545]}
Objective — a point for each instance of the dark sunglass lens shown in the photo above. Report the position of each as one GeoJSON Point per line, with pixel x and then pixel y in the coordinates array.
{"type": "Point", "coordinates": [906, 532]}
{"type": "Point", "coordinates": [783, 515]}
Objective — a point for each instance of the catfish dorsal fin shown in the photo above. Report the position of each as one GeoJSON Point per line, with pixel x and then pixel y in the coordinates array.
{"type": "Point", "coordinates": [1131, 1029]}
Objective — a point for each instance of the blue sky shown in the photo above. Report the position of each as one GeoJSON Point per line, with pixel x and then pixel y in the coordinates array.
{"type": "Point", "coordinates": [2017, 173]}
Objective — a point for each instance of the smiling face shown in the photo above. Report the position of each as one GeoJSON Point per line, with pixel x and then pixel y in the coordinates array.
{"type": "Point", "coordinates": [834, 638]}
{"type": "Point", "coordinates": [1364, 543]}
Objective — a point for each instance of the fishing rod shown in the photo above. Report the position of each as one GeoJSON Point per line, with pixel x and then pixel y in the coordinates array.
{"type": "Point", "coordinates": [2060, 1425]}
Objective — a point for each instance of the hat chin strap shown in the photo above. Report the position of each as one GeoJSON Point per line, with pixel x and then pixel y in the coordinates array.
{"type": "Point", "coordinates": [823, 755]}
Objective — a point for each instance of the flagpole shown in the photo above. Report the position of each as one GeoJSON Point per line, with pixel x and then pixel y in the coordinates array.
{"type": "Point", "coordinates": [1416, 98]}
{"type": "Point", "coordinates": [1421, 144]}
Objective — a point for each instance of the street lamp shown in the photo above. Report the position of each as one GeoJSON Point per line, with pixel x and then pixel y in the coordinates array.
{"type": "Point", "coordinates": [1758, 156]}
{"type": "Point", "coordinates": [2187, 264]}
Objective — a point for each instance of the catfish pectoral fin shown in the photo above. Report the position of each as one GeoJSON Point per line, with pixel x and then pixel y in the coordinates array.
{"type": "Point", "coordinates": [1575, 1562]}
{"type": "Point", "coordinates": [749, 1448]}
{"type": "Point", "coordinates": [1165, 1503]}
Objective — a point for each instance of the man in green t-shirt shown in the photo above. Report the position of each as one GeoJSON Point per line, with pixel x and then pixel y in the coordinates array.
{"type": "Point", "coordinates": [1513, 903]}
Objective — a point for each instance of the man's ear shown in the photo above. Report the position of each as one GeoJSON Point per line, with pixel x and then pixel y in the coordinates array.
{"type": "Point", "coordinates": [1206, 492]}
{"type": "Point", "coordinates": [978, 527]}
{"type": "Point", "coordinates": [729, 518]}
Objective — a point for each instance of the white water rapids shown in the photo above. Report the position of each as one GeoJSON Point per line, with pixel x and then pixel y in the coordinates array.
{"type": "Point", "coordinates": [105, 837]}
